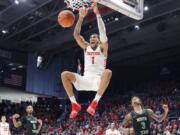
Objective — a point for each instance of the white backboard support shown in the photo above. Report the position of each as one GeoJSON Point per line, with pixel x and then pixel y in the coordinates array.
{"type": "Point", "coordinates": [131, 8]}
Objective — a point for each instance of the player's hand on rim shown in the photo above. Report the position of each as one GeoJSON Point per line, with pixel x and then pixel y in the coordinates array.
{"type": "Point", "coordinates": [83, 12]}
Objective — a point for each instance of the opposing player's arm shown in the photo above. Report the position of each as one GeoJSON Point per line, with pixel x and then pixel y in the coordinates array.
{"type": "Point", "coordinates": [79, 39]}
{"type": "Point", "coordinates": [161, 117]}
{"type": "Point", "coordinates": [102, 29]}
{"type": "Point", "coordinates": [40, 125]}
{"type": "Point", "coordinates": [126, 122]}
{"type": "Point", "coordinates": [16, 122]}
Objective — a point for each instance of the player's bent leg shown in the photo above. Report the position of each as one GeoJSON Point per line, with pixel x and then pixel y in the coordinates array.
{"type": "Point", "coordinates": [105, 79]}
{"type": "Point", "coordinates": [67, 79]}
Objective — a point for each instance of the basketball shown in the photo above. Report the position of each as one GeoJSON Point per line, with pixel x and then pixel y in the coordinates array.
{"type": "Point", "coordinates": [66, 18]}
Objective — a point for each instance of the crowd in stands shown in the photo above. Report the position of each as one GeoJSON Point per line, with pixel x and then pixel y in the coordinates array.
{"type": "Point", "coordinates": [85, 124]}
{"type": "Point", "coordinates": [47, 112]}
{"type": "Point", "coordinates": [112, 110]}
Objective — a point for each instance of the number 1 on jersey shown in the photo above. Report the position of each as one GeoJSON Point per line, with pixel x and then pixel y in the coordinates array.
{"type": "Point", "coordinates": [92, 59]}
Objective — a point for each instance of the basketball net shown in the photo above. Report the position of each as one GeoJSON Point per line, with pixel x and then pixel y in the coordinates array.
{"type": "Point", "coordinates": [76, 4]}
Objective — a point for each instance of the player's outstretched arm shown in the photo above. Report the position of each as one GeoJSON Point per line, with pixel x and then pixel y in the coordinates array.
{"type": "Point", "coordinates": [159, 118]}
{"type": "Point", "coordinates": [77, 31]}
{"type": "Point", "coordinates": [126, 122]}
{"type": "Point", "coordinates": [102, 28]}
{"type": "Point", "coordinates": [40, 125]}
{"type": "Point", "coordinates": [16, 123]}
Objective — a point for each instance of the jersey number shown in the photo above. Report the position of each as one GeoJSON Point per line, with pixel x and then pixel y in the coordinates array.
{"type": "Point", "coordinates": [143, 125]}
{"type": "Point", "coordinates": [93, 60]}
{"type": "Point", "coordinates": [34, 126]}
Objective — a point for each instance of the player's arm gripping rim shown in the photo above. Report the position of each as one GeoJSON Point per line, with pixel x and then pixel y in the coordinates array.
{"type": "Point", "coordinates": [16, 123]}
{"type": "Point", "coordinates": [77, 31]}
{"type": "Point", "coordinates": [159, 118]}
{"type": "Point", "coordinates": [102, 31]}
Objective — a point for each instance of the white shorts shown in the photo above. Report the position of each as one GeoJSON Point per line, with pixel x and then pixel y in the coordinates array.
{"type": "Point", "coordinates": [87, 82]}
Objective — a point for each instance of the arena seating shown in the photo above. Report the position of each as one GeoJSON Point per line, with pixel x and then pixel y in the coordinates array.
{"type": "Point", "coordinates": [111, 110]}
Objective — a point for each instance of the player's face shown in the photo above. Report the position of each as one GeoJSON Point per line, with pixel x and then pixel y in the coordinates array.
{"type": "Point", "coordinates": [94, 40]}
{"type": "Point", "coordinates": [135, 101]}
{"type": "Point", "coordinates": [3, 119]}
{"type": "Point", "coordinates": [29, 109]}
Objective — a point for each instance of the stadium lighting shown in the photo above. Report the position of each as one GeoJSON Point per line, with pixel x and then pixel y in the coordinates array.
{"type": "Point", "coordinates": [4, 31]}
{"type": "Point", "coordinates": [116, 19]}
{"type": "Point", "coordinates": [20, 66]}
{"type": "Point", "coordinates": [13, 68]}
{"type": "Point", "coordinates": [10, 64]}
{"type": "Point", "coordinates": [137, 27]}
{"type": "Point", "coordinates": [146, 8]}
{"type": "Point", "coordinates": [39, 61]}
{"type": "Point", "coordinates": [16, 2]}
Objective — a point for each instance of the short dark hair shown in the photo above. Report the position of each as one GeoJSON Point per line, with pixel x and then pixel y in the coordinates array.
{"type": "Point", "coordinates": [95, 35]}
{"type": "Point", "coordinates": [28, 106]}
{"type": "Point", "coordinates": [138, 98]}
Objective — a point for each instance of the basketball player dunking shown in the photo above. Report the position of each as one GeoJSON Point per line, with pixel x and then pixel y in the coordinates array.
{"type": "Point", "coordinates": [28, 121]}
{"type": "Point", "coordinates": [96, 77]}
{"type": "Point", "coordinates": [4, 126]}
{"type": "Point", "coordinates": [140, 118]}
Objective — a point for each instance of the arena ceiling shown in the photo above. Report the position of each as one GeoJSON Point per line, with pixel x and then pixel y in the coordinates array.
{"type": "Point", "coordinates": [31, 26]}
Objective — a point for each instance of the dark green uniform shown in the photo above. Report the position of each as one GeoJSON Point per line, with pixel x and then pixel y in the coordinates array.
{"type": "Point", "coordinates": [30, 123]}
{"type": "Point", "coordinates": [141, 123]}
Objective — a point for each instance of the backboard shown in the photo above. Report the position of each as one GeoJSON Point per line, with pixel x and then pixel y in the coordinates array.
{"type": "Point", "coordinates": [131, 8]}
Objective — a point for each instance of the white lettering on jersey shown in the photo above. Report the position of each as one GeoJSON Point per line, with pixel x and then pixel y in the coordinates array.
{"type": "Point", "coordinates": [4, 128]}
{"type": "Point", "coordinates": [94, 61]}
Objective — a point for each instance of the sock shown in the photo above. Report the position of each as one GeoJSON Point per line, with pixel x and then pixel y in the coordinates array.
{"type": "Point", "coordinates": [97, 97]}
{"type": "Point", "coordinates": [73, 99]}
